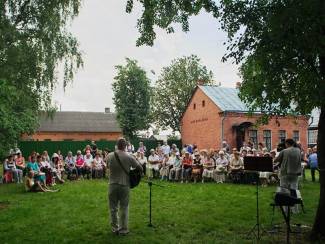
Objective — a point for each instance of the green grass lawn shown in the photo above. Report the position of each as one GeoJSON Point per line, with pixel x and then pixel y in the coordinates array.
{"type": "Point", "coordinates": [182, 213]}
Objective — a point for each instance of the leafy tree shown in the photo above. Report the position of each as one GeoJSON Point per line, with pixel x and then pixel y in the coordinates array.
{"type": "Point", "coordinates": [33, 41]}
{"type": "Point", "coordinates": [132, 98]}
{"type": "Point", "coordinates": [174, 88]}
{"type": "Point", "coordinates": [280, 46]}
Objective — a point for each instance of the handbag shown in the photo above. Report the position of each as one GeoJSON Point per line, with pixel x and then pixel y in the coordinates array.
{"type": "Point", "coordinates": [134, 175]}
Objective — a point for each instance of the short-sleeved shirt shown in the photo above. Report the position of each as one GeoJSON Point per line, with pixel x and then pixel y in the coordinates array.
{"type": "Point", "coordinates": [312, 159]}
{"type": "Point", "coordinates": [116, 172]}
{"type": "Point", "coordinates": [153, 158]}
{"type": "Point", "coordinates": [33, 166]}
{"type": "Point", "coordinates": [88, 160]}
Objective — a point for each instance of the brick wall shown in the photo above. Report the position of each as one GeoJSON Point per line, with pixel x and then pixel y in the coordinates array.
{"type": "Point", "coordinates": [76, 136]}
{"type": "Point", "coordinates": [203, 125]}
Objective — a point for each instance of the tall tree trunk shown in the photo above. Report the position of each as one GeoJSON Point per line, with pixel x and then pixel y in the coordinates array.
{"type": "Point", "coordinates": [318, 230]}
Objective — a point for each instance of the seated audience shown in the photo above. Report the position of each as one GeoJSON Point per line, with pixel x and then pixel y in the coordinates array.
{"type": "Point", "coordinates": [45, 167]}
{"type": "Point", "coordinates": [164, 170]}
{"type": "Point", "coordinates": [197, 165]}
{"type": "Point", "coordinates": [88, 160]}
{"type": "Point", "coordinates": [79, 162]}
{"type": "Point", "coordinates": [20, 162]}
{"type": "Point", "coordinates": [10, 166]}
{"type": "Point", "coordinates": [97, 166]}
{"type": "Point", "coordinates": [176, 170]}
{"type": "Point", "coordinates": [70, 166]}
{"type": "Point", "coordinates": [142, 160]}
{"type": "Point", "coordinates": [57, 168]}
{"type": "Point", "coordinates": [236, 167]}
{"type": "Point", "coordinates": [153, 164]}
{"type": "Point", "coordinates": [35, 186]}
{"type": "Point", "coordinates": [222, 163]}
{"type": "Point", "coordinates": [208, 167]}
{"type": "Point", "coordinates": [38, 175]}
{"type": "Point", "coordinates": [186, 167]}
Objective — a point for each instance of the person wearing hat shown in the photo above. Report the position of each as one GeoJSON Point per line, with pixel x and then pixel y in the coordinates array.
{"type": "Point", "coordinates": [197, 165]}
{"type": "Point", "coordinates": [186, 167]}
{"type": "Point", "coordinates": [236, 167]}
{"type": "Point", "coordinates": [20, 162]}
{"type": "Point", "coordinates": [153, 164]}
{"type": "Point", "coordinates": [219, 174]}
{"type": "Point", "coordinates": [57, 168]}
{"type": "Point", "coordinates": [208, 166]}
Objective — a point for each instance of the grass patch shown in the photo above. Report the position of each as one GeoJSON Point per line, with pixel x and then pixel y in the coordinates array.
{"type": "Point", "coordinates": [182, 213]}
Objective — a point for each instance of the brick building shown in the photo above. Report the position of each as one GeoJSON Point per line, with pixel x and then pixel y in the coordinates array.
{"type": "Point", "coordinates": [216, 113]}
{"type": "Point", "coordinates": [77, 126]}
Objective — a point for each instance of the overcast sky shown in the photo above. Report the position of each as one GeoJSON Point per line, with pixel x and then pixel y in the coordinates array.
{"type": "Point", "coordinates": [107, 34]}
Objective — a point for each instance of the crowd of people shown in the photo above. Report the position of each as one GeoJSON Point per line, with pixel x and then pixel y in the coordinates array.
{"type": "Point", "coordinates": [165, 162]}
{"type": "Point", "coordinates": [41, 171]}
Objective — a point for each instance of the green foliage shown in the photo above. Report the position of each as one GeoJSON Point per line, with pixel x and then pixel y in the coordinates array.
{"type": "Point", "coordinates": [165, 13]}
{"type": "Point", "coordinates": [33, 42]}
{"type": "Point", "coordinates": [182, 213]}
{"type": "Point", "coordinates": [132, 94]}
{"type": "Point", "coordinates": [272, 41]}
{"type": "Point", "coordinates": [174, 89]}
{"type": "Point", "coordinates": [17, 115]}
{"type": "Point", "coordinates": [279, 44]}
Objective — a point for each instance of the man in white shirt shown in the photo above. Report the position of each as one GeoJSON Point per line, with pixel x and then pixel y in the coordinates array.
{"type": "Point", "coordinates": [153, 164]}
{"type": "Point", "coordinates": [88, 159]}
{"type": "Point", "coordinates": [165, 148]}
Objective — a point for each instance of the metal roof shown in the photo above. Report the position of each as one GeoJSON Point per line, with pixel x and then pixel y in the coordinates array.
{"type": "Point", "coordinates": [225, 98]}
{"type": "Point", "coordinates": [79, 122]}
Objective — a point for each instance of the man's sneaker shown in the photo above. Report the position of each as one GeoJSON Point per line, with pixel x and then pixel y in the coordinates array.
{"type": "Point", "coordinates": [115, 231]}
{"type": "Point", "coordinates": [123, 232]}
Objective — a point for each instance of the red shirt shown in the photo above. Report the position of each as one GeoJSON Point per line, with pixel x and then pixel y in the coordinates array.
{"type": "Point", "coordinates": [187, 162]}
{"type": "Point", "coordinates": [79, 161]}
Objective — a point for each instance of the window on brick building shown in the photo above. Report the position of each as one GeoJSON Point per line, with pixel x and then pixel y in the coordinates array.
{"type": "Point", "coordinates": [282, 136]}
{"type": "Point", "coordinates": [203, 103]}
{"type": "Point", "coordinates": [296, 135]}
{"type": "Point", "coordinates": [312, 137]}
{"type": "Point", "coordinates": [194, 106]}
{"type": "Point", "coordinates": [253, 137]}
{"type": "Point", "coordinates": [267, 139]}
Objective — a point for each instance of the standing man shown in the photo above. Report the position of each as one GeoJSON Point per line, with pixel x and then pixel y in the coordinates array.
{"type": "Point", "coordinates": [313, 163]}
{"type": "Point", "coordinates": [290, 165]}
{"type": "Point", "coordinates": [119, 187]}
{"type": "Point", "coordinates": [165, 148]}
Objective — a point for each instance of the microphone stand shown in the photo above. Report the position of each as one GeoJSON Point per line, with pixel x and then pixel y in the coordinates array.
{"type": "Point", "coordinates": [150, 184]}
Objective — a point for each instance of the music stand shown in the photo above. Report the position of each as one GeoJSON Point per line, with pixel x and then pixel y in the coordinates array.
{"type": "Point", "coordinates": [150, 184]}
{"type": "Point", "coordinates": [256, 165]}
